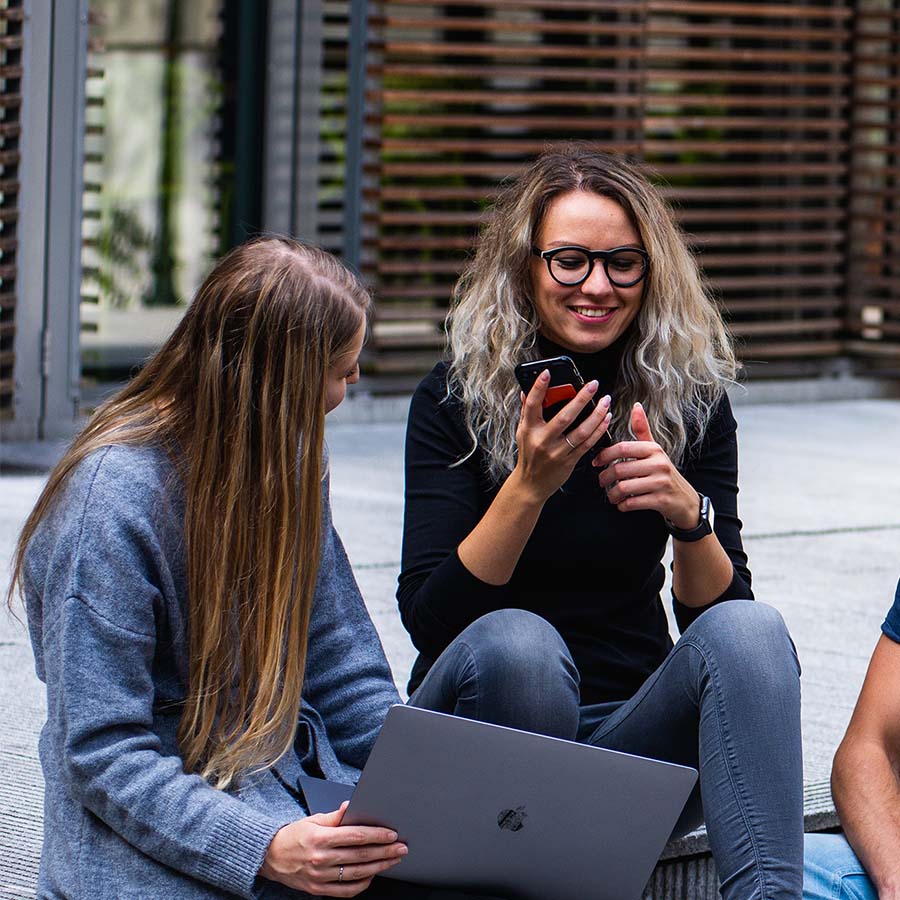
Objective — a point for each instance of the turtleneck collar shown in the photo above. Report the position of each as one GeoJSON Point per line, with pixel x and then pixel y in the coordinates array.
{"type": "Point", "coordinates": [603, 365]}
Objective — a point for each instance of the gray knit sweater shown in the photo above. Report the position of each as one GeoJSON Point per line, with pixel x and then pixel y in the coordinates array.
{"type": "Point", "coordinates": [105, 592]}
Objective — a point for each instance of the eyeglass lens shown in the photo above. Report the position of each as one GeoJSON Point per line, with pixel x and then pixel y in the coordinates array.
{"type": "Point", "coordinates": [623, 267]}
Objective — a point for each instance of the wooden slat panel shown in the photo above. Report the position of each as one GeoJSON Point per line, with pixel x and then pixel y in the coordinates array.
{"type": "Point", "coordinates": [747, 111]}
{"type": "Point", "coordinates": [874, 233]}
{"type": "Point", "coordinates": [11, 102]}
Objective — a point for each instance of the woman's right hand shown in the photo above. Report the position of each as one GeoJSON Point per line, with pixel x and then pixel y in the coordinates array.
{"type": "Point", "coordinates": [324, 858]}
{"type": "Point", "coordinates": [547, 455]}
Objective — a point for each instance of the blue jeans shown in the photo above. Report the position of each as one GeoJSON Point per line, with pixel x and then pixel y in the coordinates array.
{"type": "Point", "coordinates": [832, 871]}
{"type": "Point", "coordinates": [726, 700]}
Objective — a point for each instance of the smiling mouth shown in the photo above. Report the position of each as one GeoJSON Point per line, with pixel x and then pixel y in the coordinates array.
{"type": "Point", "coordinates": [591, 312]}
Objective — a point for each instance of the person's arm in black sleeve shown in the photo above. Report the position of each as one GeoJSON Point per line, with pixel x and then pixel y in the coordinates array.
{"type": "Point", "coordinates": [712, 469]}
{"type": "Point", "coordinates": [463, 540]}
{"type": "Point", "coordinates": [437, 595]}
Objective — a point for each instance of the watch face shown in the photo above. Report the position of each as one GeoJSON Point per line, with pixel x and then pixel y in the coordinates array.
{"type": "Point", "coordinates": [707, 513]}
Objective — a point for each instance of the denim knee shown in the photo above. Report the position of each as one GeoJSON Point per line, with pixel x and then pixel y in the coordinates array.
{"type": "Point", "coordinates": [518, 643]}
{"type": "Point", "coordinates": [746, 634]}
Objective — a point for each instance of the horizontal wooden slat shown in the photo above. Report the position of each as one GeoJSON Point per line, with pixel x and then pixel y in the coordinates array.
{"type": "Point", "coordinates": [756, 77]}
{"type": "Point", "coordinates": [741, 55]}
{"type": "Point", "coordinates": [545, 73]}
{"type": "Point", "coordinates": [786, 125]}
{"type": "Point", "coordinates": [597, 6]}
{"type": "Point", "coordinates": [660, 100]}
{"type": "Point", "coordinates": [786, 327]}
{"type": "Point", "coordinates": [769, 259]}
{"type": "Point", "coordinates": [766, 146]}
{"type": "Point", "coordinates": [764, 303]}
{"type": "Point", "coordinates": [408, 312]}
{"type": "Point", "coordinates": [500, 97]}
{"type": "Point", "coordinates": [436, 339]}
{"type": "Point", "coordinates": [584, 28]}
{"type": "Point", "coordinates": [492, 118]}
{"type": "Point", "coordinates": [753, 192]}
{"type": "Point", "coordinates": [413, 48]}
{"type": "Point", "coordinates": [805, 11]}
{"type": "Point", "coordinates": [779, 237]}
{"type": "Point", "coordinates": [730, 170]}
{"type": "Point", "coordinates": [789, 350]}
{"type": "Point", "coordinates": [525, 146]}
{"type": "Point", "coordinates": [768, 281]}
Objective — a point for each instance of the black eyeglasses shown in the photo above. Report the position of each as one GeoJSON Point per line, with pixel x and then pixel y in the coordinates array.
{"type": "Point", "coordinates": [624, 266]}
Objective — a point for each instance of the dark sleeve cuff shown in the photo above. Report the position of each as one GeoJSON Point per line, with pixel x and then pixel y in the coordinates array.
{"type": "Point", "coordinates": [450, 599]}
{"type": "Point", "coordinates": [685, 615]}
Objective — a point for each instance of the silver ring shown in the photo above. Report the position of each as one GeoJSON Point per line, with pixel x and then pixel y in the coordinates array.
{"type": "Point", "coordinates": [566, 439]}
{"type": "Point", "coordinates": [340, 874]}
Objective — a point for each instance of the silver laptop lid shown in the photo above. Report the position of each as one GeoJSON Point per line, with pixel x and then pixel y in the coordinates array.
{"type": "Point", "coordinates": [506, 812]}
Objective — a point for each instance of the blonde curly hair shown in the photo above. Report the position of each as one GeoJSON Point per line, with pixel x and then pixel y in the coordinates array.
{"type": "Point", "coordinates": [678, 358]}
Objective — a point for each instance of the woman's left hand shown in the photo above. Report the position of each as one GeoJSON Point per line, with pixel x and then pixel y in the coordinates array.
{"type": "Point", "coordinates": [638, 474]}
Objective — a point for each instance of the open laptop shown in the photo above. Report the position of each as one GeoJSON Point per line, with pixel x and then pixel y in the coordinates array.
{"type": "Point", "coordinates": [503, 812]}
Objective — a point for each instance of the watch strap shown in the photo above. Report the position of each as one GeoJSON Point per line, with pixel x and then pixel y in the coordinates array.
{"type": "Point", "coordinates": [700, 530]}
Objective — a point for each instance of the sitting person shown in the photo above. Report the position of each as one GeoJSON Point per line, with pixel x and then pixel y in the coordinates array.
{"type": "Point", "coordinates": [563, 526]}
{"type": "Point", "coordinates": [865, 865]}
{"type": "Point", "coordinates": [194, 616]}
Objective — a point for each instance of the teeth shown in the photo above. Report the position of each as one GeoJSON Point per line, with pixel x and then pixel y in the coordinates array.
{"type": "Point", "coordinates": [591, 312]}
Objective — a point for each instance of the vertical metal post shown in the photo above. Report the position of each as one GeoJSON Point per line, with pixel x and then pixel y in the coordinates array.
{"type": "Point", "coordinates": [292, 104]}
{"type": "Point", "coordinates": [308, 92]}
{"type": "Point", "coordinates": [356, 101]}
{"type": "Point", "coordinates": [62, 255]}
{"type": "Point", "coordinates": [34, 143]}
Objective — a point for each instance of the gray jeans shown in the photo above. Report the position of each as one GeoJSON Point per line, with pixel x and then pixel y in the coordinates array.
{"type": "Point", "coordinates": [726, 700]}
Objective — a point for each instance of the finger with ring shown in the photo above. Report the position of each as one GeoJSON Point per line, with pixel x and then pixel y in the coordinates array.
{"type": "Point", "coordinates": [566, 439]}
{"type": "Point", "coordinates": [340, 874]}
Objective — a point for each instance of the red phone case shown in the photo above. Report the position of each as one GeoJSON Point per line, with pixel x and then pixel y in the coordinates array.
{"type": "Point", "coordinates": [559, 394]}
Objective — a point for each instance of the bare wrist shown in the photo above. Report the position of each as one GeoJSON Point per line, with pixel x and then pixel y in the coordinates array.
{"type": "Point", "coordinates": [524, 491]}
{"type": "Point", "coordinates": [688, 516]}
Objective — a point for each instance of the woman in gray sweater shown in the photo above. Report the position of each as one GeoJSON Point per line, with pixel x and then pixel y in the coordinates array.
{"type": "Point", "coordinates": [194, 615]}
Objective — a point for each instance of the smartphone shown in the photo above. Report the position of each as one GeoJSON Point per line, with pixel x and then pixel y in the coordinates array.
{"type": "Point", "coordinates": [565, 383]}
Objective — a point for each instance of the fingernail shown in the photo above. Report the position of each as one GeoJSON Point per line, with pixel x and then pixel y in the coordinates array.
{"type": "Point", "coordinates": [608, 418]}
{"type": "Point", "coordinates": [606, 401]}
{"type": "Point", "coordinates": [593, 385]}
{"type": "Point", "coordinates": [403, 850]}
{"type": "Point", "coordinates": [545, 375]}
{"type": "Point", "coordinates": [392, 836]}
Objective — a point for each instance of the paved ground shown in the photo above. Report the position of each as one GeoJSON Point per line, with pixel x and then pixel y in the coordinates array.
{"type": "Point", "coordinates": [820, 500]}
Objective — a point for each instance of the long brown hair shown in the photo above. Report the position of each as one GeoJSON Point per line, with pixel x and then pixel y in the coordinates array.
{"type": "Point", "coordinates": [237, 395]}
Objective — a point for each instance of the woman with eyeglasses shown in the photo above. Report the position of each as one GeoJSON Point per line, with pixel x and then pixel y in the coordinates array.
{"type": "Point", "coordinates": [520, 531]}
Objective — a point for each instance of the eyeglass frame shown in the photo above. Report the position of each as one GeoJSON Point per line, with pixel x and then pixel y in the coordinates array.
{"type": "Point", "coordinates": [592, 255]}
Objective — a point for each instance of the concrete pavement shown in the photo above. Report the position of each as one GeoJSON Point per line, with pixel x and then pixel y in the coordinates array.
{"type": "Point", "coordinates": [820, 500]}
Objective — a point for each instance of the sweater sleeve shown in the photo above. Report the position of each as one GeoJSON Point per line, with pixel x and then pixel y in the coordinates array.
{"type": "Point", "coordinates": [99, 639]}
{"type": "Point", "coordinates": [444, 501]}
{"type": "Point", "coordinates": [713, 470]}
{"type": "Point", "coordinates": [114, 767]}
{"type": "Point", "coordinates": [348, 680]}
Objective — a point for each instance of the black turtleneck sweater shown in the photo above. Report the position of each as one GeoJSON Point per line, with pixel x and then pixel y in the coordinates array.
{"type": "Point", "coordinates": [593, 572]}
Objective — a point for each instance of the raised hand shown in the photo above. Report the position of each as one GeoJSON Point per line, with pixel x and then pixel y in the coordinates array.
{"type": "Point", "coordinates": [638, 474]}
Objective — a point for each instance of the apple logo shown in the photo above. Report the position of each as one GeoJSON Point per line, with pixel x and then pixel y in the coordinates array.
{"type": "Point", "coordinates": [512, 819]}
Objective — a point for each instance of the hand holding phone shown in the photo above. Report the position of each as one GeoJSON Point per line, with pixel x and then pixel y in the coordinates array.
{"type": "Point", "coordinates": [565, 383]}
